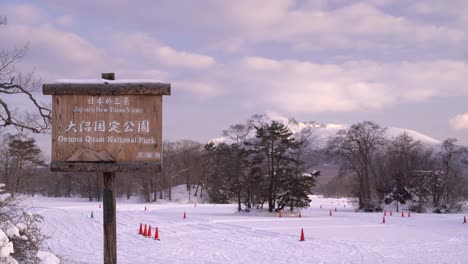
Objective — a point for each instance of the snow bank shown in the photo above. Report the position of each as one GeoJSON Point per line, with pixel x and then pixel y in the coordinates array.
{"type": "Point", "coordinates": [47, 258]}
{"type": "Point", "coordinates": [6, 247]}
{"type": "Point", "coordinates": [21, 226]}
{"type": "Point", "coordinates": [12, 232]}
{"type": "Point", "coordinates": [4, 197]}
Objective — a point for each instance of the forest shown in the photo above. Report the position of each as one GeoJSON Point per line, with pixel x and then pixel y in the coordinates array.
{"type": "Point", "coordinates": [262, 163]}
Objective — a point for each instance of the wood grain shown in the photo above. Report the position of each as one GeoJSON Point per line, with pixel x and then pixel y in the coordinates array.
{"type": "Point", "coordinates": [121, 145]}
{"type": "Point", "coordinates": [109, 217]}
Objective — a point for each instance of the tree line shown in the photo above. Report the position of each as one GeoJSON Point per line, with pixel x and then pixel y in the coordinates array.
{"type": "Point", "coordinates": [268, 168]}
{"type": "Point", "coordinates": [263, 163]}
{"type": "Point", "coordinates": [400, 170]}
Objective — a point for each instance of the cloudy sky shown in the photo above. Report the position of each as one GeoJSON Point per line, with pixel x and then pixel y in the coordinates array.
{"type": "Point", "coordinates": [400, 63]}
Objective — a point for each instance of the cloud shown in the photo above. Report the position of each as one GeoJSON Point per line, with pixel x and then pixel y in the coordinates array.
{"type": "Point", "coordinates": [203, 89]}
{"type": "Point", "coordinates": [143, 46]}
{"type": "Point", "coordinates": [52, 49]}
{"type": "Point", "coordinates": [56, 52]}
{"type": "Point", "coordinates": [262, 64]}
{"type": "Point", "coordinates": [459, 122]}
{"type": "Point", "coordinates": [277, 116]}
{"type": "Point", "coordinates": [371, 26]}
{"type": "Point", "coordinates": [24, 14]}
{"type": "Point", "coordinates": [356, 26]}
{"type": "Point", "coordinates": [65, 20]}
{"type": "Point", "coordinates": [297, 85]}
{"type": "Point", "coordinates": [148, 73]}
{"type": "Point", "coordinates": [304, 87]}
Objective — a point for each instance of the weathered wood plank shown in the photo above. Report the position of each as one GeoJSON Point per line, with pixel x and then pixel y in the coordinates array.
{"type": "Point", "coordinates": [106, 89]}
{"type": "Point", "coordinates": [131, 166]}
{"type": "Point", "coordinates": [126, 127]}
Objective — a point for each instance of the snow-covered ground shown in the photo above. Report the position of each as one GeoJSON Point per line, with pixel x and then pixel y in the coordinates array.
{"type": "Point", "coordinates": [214, 233]}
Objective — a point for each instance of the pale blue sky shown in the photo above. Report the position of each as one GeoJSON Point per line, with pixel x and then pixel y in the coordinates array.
{"type": "Point", "coordinates": [398, 63]}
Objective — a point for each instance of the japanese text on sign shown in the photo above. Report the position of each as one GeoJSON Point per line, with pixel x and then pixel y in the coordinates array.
{"type": "Point", "coordinates": [112, 126]}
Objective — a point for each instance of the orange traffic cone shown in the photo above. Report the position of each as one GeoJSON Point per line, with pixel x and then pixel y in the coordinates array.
{"type": "Point", "coordinates": [409, 214]}
{"type": "Point", "coordinates": [145, 231]}
{"type": "Point", "coordinates": [330, 212]}
{"type": "Point", "coordinates": [390, 212]}
{"type": "Point", "coordinates": [141, 229]}
{"type": "Point", "coordinates": [383, 220]}
{"type": "Point", "coordinates": [149, 232]}
{"type": "Point", "coordinates": [185, 216]}
{"type": "Point", "coordinates": [402, 214]}
{"type": "Point", "coordinates": [464, 219]}
{"type": "Point", "coordinates": [385, 212]}
{"type": "Point", "coordinates": [302, 235]}
{"type": "Point", "coordinates": [300, 215]}
{"type": "Point", "coordinates": [279, 214]}
{"type": "Point", "coordinates": [156, 234]}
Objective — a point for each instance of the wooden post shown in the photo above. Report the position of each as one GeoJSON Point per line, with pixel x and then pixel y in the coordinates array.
{"type": "Point", "coordinates": [108, 198]}
{"type": "Point", "coordinates": [78, 103]}
{"type": "Point", "coordinates": [110, 229]}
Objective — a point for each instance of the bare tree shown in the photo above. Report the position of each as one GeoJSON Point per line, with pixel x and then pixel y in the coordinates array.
{"type": "Point", "coordinates": [189, 155]}
{"type": "Point", "coordinates": [169, 170]}
{"type": "Point", "coordinates": [239, 134]}
{"type": "Point", "coordinates": [15, 85]}
{"type": "Point", "coordinates": [445, 185]}
{"type": "Point", "coordinates": [356, 149]}
{"type": "Point", "coordinates": [403, 156]}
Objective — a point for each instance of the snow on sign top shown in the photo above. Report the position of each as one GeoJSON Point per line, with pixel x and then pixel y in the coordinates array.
{"type": "Point", "coordinates": [106, 87]}
{"type": "Point", "coordinates": [102, 81]}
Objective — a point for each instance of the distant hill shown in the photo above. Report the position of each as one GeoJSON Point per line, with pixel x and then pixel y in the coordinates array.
{"type": "Point", "coordinates": [324, 132]}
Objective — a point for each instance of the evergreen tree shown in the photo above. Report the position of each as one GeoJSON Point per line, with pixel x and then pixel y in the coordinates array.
{"type": "Point", "coordinates": [273, 155]}
{"type": "Point", "coordinates": [25, 154]}
{"type": "Point", "coordinates": [219, 183]}
{"type": "Point", "coordinates": [297, 189]}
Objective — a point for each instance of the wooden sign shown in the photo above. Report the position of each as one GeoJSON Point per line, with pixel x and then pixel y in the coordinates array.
{"type": "Point", "coordinates": [106, 126]}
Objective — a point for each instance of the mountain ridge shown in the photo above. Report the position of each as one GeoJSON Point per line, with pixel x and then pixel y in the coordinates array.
{"type": "Point", "coordinates": [323, 132]}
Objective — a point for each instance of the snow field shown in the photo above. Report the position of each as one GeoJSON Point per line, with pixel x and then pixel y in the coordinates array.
{"type": "Point", "coordinates": [218, 234]}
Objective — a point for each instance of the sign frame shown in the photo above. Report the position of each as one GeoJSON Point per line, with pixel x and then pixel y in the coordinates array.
{"type": "Point", "coordinates": [107, 88]}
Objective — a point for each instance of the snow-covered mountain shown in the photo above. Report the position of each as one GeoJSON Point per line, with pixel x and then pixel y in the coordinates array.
{"type": "Point", "coordinates": [322, 133]}
{"type": "Point", "coordinates": [326, 131]}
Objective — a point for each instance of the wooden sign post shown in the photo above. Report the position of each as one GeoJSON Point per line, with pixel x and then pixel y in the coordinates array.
{"type": "Point", "coordinates": [107, 126]}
